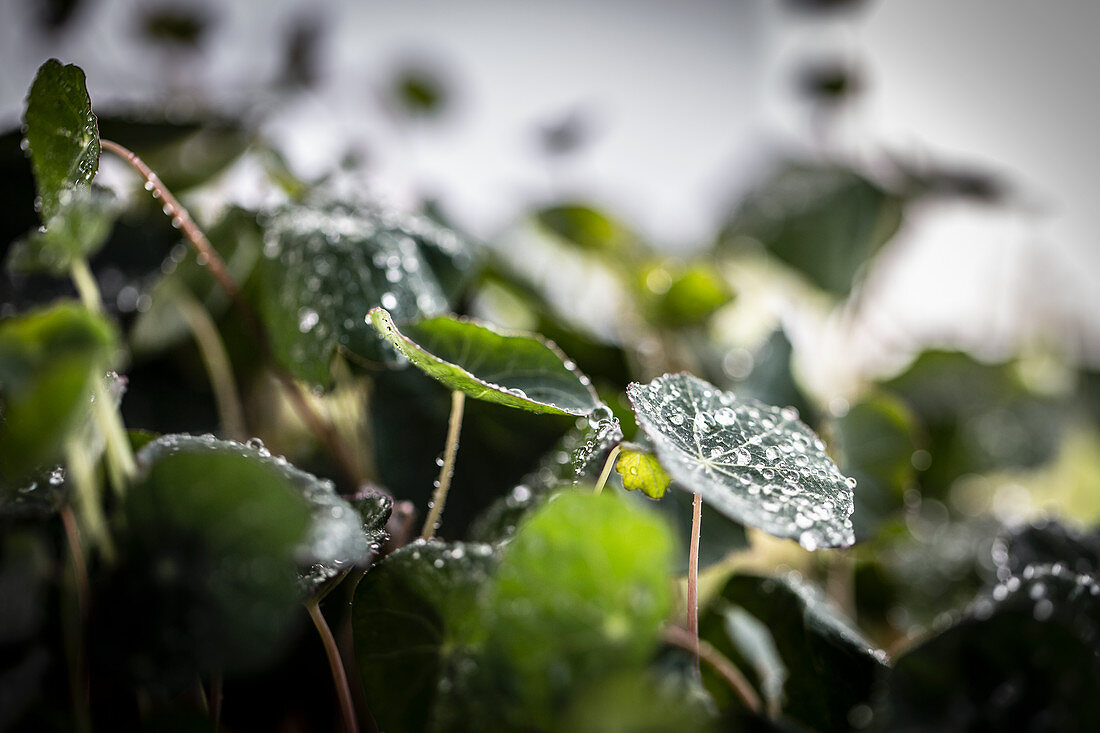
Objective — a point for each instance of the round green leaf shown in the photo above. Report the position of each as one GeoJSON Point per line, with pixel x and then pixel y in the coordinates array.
{"type": "Point", "coordinates": [325, 266]}
{"type": "Point", "coordinates": [581, 592]}
{"type": "Point", "coordinates": [47, 361]}
{"type": "Point", "coordinates": [641, 471]}
{"type": "Point", "coordinates": [411, 615]}
{"type": "Point", "coordinates": [757, 464]}
{"type": "Point", "coordinates": [62, 136]}
{"type": "Point", "coordinates": [515, 369]}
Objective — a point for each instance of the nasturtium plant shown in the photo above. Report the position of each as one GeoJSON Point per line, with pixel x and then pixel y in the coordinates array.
{"type": "Point", "coordinates": [515, 369]}
{"type": "Point", "coordinates": [326, 265]}
{"type": "Point", "coordinates": [757, 464]}
{"type": "Point", "coordinates": [152, 580]}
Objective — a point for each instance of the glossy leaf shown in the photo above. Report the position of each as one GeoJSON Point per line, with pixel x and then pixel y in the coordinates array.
{"type": "Point", "coordinates": [757, 464]}
{"type": "Point", "coordinates": [581, 591]}
{"type": "Point", "coordinates": [411, 613]}
{"type": "Point", "coordinates": [47, 361]}
{"type": "Point", "coordinates": [78, 230]}
{"type": "Point", "coordinates": [514, 369]}
{"type": "Point", "coordinates": [337, 538]}
{"type": "Point", "coordinates": [825, 222]}
{"type": "Point", "coordinates": [828, 666]}
{"type": "Point", "coordinates": [641, 471]}
{"type": "Point", "coordinates": [214, 535]}
{"type": "Point", "coordinates": [1047, 542]}
{"type": "Point", "coordinates": [1023, 657]}
{"type": "Point", "coordinates": [326, 266]}
{"type": "Point", "coordinates": [62, 136]}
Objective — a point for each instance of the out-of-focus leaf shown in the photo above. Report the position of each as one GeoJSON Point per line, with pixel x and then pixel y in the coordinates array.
{"type": "Point", "coordinates": [1023, 657]}
{"type": "Point", "coordinates": [214, 535]}
{"type": "Point", "coordinates": [825, 222]}
{"type": "Point", "coordinates": [580, 593]}
{"type": "Point", "coordinates": [690, 298]}
{"type": "Point", "coordinates": [78, 230]}
{"type": "Point", "coordinates": [769, 376]}
{"type": "Point", "coordinates": [47, 361]}
{"type": "Point", "coordinates": [979, 417]}
{"type": "Point", "coordinates": [641, 471]}
{"type": "Point", "coordinates": [519, 370]}
{"type": "Point", "coordinates": [1047, 542]}
{"type": "Point", "coordinates": [829, 666]}
{"type": "Point", "coordinates": [61, 135]}
{"type": "Point", "coordinates": [635, 701]}
{"type": "Point", "coordinates": [585, 227]}
{"type": "Point", "coordinates": [420, 90]}
{"type": "Point", "coordinates": [412, 614]}
{"type": "Point", "coordinates": [238, 240]}
{"type": "Point", "coordinates": [326, 266]}
{"type": "Point", "coordinates": [874, 443]}
{"type": "Point", "coordinates": [756, 464]}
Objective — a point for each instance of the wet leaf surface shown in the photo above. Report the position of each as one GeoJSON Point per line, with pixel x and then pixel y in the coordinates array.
{"type": "Point", "coordinates": [77, 230]}
{"type": "Point", "coordinates": [326, 265]}
{"type": "Point", "coordinates": [61, 135]}
{"type": "Point", "coordinates": [757, 464]}
{"type": "Point", "coordinates": [514, 369]}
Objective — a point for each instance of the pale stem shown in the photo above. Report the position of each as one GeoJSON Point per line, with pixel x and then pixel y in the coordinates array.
{"type": "Point", "coordinates": [216, 360]}
{"type": "Point", "coordinates": [85, 284]}
{"type": "Point", "coordinates": [607, 465]}
{"type": "Point", "coordinates": [121, 465]}
{"type": "Point", "coordinates": [439, 498]}
{"type": "Point", "coordinates": [336, 664]}
{"type": "Point", "coordinates": [82, 472]}
{"type": "Point", "coordinates": [693, 575]}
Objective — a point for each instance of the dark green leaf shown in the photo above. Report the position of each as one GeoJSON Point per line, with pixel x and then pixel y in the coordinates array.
{"type": "Point", "coordinates": [829, 667]}
{"type": "Point", "coordinates": [825, 222]}
{"type": "Point", "coordinates": [770, 377]}
{"type": "Point", "coordinates": [326, 266]}
{"type": "Point", "coordinates": [411, 614]}
{"type": "Point", "coordinates": [581, 592]}
{"type": "Point", "coordinates": [215, 533]}
{"type": "Point", "coordinates": [47, 361]}
{"type": "Point", "coordinates": [979, 417]}
{"type": "Point", "coordinates": [756, 464]}
{"type": "Point", "coordinates": [1024, 657]}
{"type": "Point", "coordinates": [514, 369]}
{"type": "Point", "coordinates": [874, 442]}
{"type": "Point", "coordinates": [61, 135]}
{"type": "Point", "coordinates": [78, 230]}
{"type": "Point", "coordinates": [1047, 542]}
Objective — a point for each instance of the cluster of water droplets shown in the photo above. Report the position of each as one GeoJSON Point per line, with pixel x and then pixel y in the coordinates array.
{"type": "Point", "coordinates": [604, 433]}
{"type": "Point", "coordinates": [756, 463]}
{"type": "Point", "coordinates": [331, 263]}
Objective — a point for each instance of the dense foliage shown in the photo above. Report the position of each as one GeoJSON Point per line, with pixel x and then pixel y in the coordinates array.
{"type": "Point", "coordinates": [294, 380]}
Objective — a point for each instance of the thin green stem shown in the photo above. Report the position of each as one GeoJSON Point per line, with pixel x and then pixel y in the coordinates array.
{"type": "Point", "coordinates": [717, 661]}
{"type": "Point", "coordinates": [336, 664]}
{"type": "Point", "coordinates": [693, 575]}
{"type": "Point", "coordinates": [85, 284]}
{"type": "Point", "coordinates": [439, 498]}
{"type": "Point", "coordinates": [73, 619]}
{"type": "Point", "coordinates": [216, 360]}
{"type": "Point", "coordinates": [121, 465]}
{"type": "Point", "coordinates": [82, 472]}
{"type": "Point", "coordinates": [607, 465]}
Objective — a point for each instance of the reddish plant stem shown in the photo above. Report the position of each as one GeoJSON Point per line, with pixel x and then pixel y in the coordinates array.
{"type": "Point", "coordinates": [336, 664]}
{"type": "Point", "coordinates": [718, 662]}
{"type": "Point", "coordinates": [693, 575]}
{"type": "Point", "coordinates": [320, 427]}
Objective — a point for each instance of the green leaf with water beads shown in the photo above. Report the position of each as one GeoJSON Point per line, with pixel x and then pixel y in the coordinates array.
{"type": "Point", "coordinates": [414, 616]}
{"type": "Point", "coordinates": [520, 370]}
{"type": "Point", "coordinates": [78, 230]}
{"type": "Point", "coordinates": [47, 361]}
{"type": "Point", "coordinates": [1023, 656]}
{"type": "Point", "coordinates": [326, 265]}
{"type": "Point", "coordinates": [339, 535]}
{"type": "Point", "coordinates": [61, 134]}
{"type": "Point", "coordinates": [641, 471]}
{"type": "Point", "coordinates": [757, 464]}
